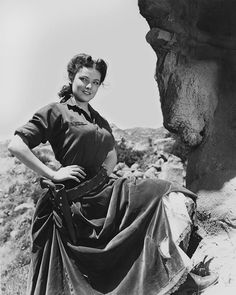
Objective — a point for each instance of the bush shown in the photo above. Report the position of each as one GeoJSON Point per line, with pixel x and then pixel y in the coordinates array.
{"type": "Point", "coordinates": [179, 149]}
{"type": "Point", "coordinates": [127, 154]}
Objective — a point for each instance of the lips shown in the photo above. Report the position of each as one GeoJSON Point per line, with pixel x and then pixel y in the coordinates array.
{"type": "Point", "coordinates": [87, 92]}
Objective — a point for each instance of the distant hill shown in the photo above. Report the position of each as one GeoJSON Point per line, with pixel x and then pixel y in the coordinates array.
{"type": "Point", "coordinates": [139, 136]}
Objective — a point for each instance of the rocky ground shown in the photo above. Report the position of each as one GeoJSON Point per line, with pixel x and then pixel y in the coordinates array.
{"type": "Point", "coordinates": [18, 198]}
{"type": "Point", "coordinates": [222, 247]}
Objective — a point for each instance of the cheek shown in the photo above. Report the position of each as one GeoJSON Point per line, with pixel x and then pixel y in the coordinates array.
{"type": "Point", "coordinates": [76, 87]}
{"type": "Point", "coordinates": [96, 89]}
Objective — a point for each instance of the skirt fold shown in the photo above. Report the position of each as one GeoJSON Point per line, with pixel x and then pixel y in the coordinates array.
{"type": "Point", "coordinates": [126, 248]}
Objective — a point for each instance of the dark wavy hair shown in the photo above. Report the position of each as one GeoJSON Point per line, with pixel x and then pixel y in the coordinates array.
{"type": "Point", "coordinates": [75, 64]}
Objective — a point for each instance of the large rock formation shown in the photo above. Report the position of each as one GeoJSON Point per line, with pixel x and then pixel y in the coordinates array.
{"type": "Point", "coordinates": [195, 44]}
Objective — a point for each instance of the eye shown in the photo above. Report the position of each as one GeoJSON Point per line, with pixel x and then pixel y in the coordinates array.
{"type": "Point", "coordinates": [97, 83]}
{"type": "Point", "coordinates": [84, 79]}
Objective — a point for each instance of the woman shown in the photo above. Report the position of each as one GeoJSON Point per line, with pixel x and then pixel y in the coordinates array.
{"type": "Point", "coordinates": [91, 233]}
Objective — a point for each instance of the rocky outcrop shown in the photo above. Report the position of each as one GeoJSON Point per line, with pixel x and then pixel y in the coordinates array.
{"type": "Point", "coordinates": [195, 44]}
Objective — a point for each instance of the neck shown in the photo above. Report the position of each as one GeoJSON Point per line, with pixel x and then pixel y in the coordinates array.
{"type": "Point", "coordinates": [83, 105]}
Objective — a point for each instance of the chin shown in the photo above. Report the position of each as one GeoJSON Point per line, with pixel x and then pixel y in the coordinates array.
{"type": "Point", "coordinates": [83, 99]}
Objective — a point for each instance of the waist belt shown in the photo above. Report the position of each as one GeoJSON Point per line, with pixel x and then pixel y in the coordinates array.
{"type": "Point", "coordinates": [81, 189]}
{"type": "Point", "coordinates": [61, 198]}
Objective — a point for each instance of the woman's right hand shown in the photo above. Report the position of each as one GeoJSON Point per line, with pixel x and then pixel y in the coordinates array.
{"type": "Point", "coordinates": [74, 172]}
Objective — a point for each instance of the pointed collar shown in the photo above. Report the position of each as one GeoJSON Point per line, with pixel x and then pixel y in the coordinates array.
{"type": "Point", "coordinates": [72, 103]}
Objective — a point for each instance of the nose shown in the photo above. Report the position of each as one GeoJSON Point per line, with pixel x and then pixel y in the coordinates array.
{"type": "Point", "coordinates": [89, 85]}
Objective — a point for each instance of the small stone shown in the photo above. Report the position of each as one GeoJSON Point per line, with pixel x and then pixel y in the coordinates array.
{"type": "Point", "coordinates": [138, 174]}
{"type": "Point", "coordinates": [23, 206]}
{"type": "Point", "coordinates": [128, 174]}
{"type": "Point", "coordinates": [151, 173]}
{"type": "Point", "coordinates": [158, 164]}
{"type": "Point", "coordinates": [120, 173]}
{"type": "Point", "coordinates": [119, 166]}
{"type": "Point", "coordinates": [126, 168]}
{"type": "Point", "coordinates": [134, 167]}
{"type": "Point", "coordinates": [13, 234]}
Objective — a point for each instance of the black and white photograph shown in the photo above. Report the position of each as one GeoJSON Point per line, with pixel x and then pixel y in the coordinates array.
{"type": "Point", "coordinates": [118, 147]}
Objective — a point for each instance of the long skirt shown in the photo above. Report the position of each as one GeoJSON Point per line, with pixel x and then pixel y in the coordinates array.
{"type": "Point", "coordinates": [127, 241]}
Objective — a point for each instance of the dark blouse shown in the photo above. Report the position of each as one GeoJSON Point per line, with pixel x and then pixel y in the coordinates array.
{"type": "Point", "coordinates": [76, 138]}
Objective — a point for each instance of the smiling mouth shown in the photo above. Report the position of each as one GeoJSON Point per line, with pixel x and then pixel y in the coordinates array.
{"type": "Point", "coordinates": [87, 92]}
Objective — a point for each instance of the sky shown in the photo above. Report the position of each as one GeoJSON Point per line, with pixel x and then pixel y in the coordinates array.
{"type": "Point", "coordinates": [37, 40]}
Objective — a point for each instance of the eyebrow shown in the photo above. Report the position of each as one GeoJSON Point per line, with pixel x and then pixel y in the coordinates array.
{"type": "Point", "coordinates": [85, 76]}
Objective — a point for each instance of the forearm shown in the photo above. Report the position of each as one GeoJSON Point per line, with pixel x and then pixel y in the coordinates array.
{"type": "Point", "coordinates": [21, 150]}
{"type": "Point", "coordinates": [110, 161]}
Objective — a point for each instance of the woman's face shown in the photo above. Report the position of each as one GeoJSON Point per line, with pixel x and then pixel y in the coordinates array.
{"type": "Point", "coordinates": [85, 84]}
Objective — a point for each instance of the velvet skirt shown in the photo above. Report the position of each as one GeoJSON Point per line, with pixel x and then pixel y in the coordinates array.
{"type": "Point", "coordinates": [126, 241]}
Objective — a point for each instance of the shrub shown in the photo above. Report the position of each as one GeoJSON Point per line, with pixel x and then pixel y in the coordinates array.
{"type": "Point", "coordinates": [127, 154]}
{"type": "Point", "coordinates": [180, 149]}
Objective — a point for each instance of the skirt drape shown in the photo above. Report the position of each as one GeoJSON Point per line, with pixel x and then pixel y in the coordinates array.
{"type": "Point", "coordinates": [124, 241]}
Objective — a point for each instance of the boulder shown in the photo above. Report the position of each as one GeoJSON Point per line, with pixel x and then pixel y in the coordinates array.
{"type": "Point", "coordinates": [195, 45]}
{"type": "Point", "coordinates": [138, 174]}
{"type": "Point", "coordinates": [151, 173]}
